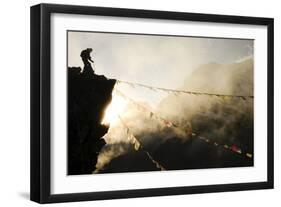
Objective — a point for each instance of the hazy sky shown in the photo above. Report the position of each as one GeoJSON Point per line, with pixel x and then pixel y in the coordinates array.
{"type": "Point", "coordinates": [163, 61]}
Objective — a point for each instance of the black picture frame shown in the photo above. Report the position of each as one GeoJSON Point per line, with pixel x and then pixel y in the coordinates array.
{"type": "Point", "coordinates": [41, 95]}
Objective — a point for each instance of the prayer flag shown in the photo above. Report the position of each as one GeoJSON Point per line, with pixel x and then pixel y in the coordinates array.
{"type": "Point", "coordinates": [137, 145]}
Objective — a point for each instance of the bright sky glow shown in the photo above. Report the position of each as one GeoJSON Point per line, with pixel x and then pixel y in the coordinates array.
{"type": "Point", "coordinates": [163, 61]}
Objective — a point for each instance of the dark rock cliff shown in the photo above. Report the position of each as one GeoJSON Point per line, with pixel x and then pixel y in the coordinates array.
{"type": "Point", "coordinates": [88, 97]}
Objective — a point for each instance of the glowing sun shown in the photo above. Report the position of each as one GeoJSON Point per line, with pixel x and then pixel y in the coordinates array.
{"type": "Point", "coordinates": [114, 109]}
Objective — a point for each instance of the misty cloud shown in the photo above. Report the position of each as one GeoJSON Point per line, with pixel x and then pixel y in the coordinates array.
{"type": "Point", "coordinates": [221, 120]}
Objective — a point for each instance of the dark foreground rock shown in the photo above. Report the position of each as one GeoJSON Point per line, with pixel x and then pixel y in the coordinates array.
{"type": "Point", "coordinates": [88, 97]}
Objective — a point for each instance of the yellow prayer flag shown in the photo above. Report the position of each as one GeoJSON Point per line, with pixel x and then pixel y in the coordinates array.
{"type": "Point", "coordinates": [137, 145]}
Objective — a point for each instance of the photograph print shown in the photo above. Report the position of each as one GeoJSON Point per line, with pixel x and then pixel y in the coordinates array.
{"type": "Point", "coordinates": [150, 102]}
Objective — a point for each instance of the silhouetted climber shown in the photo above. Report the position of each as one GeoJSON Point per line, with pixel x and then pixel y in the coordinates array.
{"type": "Point", "coordinates": [86, 57]}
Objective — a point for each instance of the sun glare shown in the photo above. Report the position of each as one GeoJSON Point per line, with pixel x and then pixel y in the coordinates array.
{"type": "Point", "coordinates": [114, 109]}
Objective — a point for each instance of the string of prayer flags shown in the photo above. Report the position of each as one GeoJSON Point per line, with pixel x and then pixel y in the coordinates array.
{"type": "Point", "coordinates": [176, 92]}
{"type": "Point", "coordinates": [137, 145]}
{"type": "Point", "coordinates": [142, 108]}
{"type": "Point", "coordinates": [169, 124]}
{"type": "Point", "coordinates": [233, 148]}
{"type": "Point", "coordinates": [159, 166]}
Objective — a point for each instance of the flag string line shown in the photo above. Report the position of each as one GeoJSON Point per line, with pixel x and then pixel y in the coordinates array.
{"type": "Point", "coordinates": [232, 148]}
{"type": "Point", "coordinates": [138, 146]}
{"type": "Point", "coordinates": [153, 88]}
